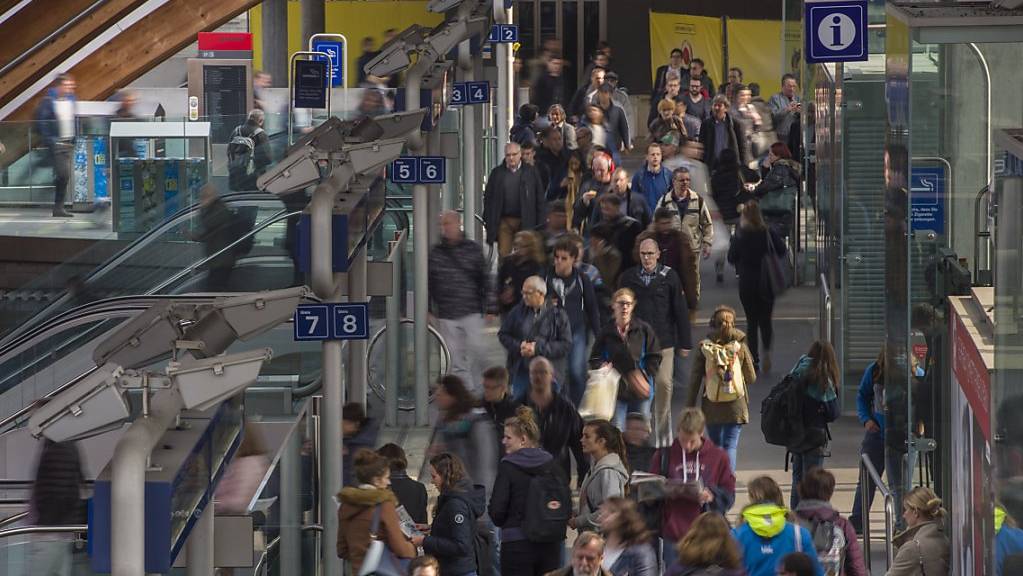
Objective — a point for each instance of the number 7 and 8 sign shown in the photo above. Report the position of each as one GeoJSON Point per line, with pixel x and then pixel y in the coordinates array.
{"type": "Point", "coordinates": [332, 321]}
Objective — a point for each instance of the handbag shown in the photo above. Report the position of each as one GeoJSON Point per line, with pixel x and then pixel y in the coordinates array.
{"type": "Point", "coordinates": [773, 277]}
{"type": "Point", "coordinates": [379, 560]}
{"type": "Point", "coordinates": [601, 395]}
{"type": "Point", "coordinates": [778, 202]}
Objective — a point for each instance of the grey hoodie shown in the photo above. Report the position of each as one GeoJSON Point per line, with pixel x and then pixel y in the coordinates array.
{"type": "Point", "coordinates": [606, 479]}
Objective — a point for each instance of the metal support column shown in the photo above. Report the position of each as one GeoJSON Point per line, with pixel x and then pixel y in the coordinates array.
{"type": "Point", "coordinates": [434, 205]}
{"type": "Point", "coordinates": [199, 548]}
{"type": "Point", "coordinates": [275, 40]}
{"type": "Point", "coordinates": [421, 246]}
{"type": "Point", "coordinates": [357, 369]}
{"type": "Point", "coordinates": [395, 357]}
{"type": "Point", "coordinates": [291, 505]}
{"type": "Point", "coordinates": [314, 16]}
{"type": "Point", "coordinates": [128, 484]}
{"type": "Point", "coordinates": [468, 158]}
{"type": "Point", "coordinates": [505, 79]}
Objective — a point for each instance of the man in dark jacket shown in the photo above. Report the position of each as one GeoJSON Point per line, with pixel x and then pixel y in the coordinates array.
{"type": "Point", "coordinates": [629, 204]}
{"type": "Point", "coordinates": [216, 234]}
{"type": "Point", "coordinates": [553, 156]}
{"type": "Point", "coordinates": [721, 131]}
{"type": "Point", "coordinates": [561, 427]}
{"type": "Point", "coordinates": [523, 131]}
{"type": "Point", "coordinates": [248, 152]}
{"type": "Point", "coordinates": [513, 199]}
{"type": "Point", "coordinates": [359, 431]}
{"type": "Point", "coordinates": [616, 123]}
{"type": "Point", "coordinates": [550, 88]}
{"type": "Point", "coordinates": [624, 228]}
{"type": "Point", "coordinates": [55, 121]}
{"type": "Point", "coordinates": [56, 498]}
{"type": "Point", "coordinates": [532, 328]}
{"type": "Point", "coordinates": [573, 291]}
{"type": "Point", "coordinates": [458, 291]}
{"type": "Point", "coordinates": [659, 303]}
{"type": "Point", "coordinates": [498, 402]}
{"type": "Point", "coordinates": [586, 93]}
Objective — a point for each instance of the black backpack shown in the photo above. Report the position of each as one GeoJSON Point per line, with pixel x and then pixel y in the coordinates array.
{"type": "Point", "coordinates": [240, 159]}
{"type": "Point", "coordinates": [781, 414]}
{"type": "Point", "coordinates": [548, 506]}
{"type": "Point", "coordinates": [482, 544]}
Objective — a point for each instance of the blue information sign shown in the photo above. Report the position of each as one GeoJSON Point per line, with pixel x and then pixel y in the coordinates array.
{"type": "Point", "coordinates": [312, 322]}
{"type": "Point", "coordinates": [458, 94]}
{"type": "Point", "coordinates": [835, 31]}
{"type": "Point", "coordinates": [405, 170]}
{"type": "Point", "coordinates": [927, 199]}
{"type": "Point", "coordinates": [495, 34]}
{"type": "Point", "coordinates": [351, 321]}
{"type": "Point", "coordinates": [503, 34]}
{"type": "Point", "coordinates": [431, 169]}
{"type": "Point", "coordinates": [478, 92]}
{"type": "Point", "coordinates": [335, 49]}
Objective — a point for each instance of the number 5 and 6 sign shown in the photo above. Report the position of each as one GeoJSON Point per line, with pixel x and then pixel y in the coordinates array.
{"type": "Point", "coordinates": [332, 322]}
{"type": "Point", "coordinates": [418, 170]}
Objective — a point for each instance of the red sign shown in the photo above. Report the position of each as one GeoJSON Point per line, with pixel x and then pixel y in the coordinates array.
{"type": "Point", "coordinates": [225, 41]}
{"type": "Point", "coordinates": [972, 374]}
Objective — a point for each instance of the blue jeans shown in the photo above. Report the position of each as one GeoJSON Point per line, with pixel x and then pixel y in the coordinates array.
{"type": "Point", "coordinates": [873, 446]}
{"type": "Point", "coordinates": [577, 365]}
{"type": "Point", "coordinates": [801, 464]}
{"type": "Point", "coordinates": [726, 436]}
{"type": "Point", "coordinates": [624, 408]}
{"type": "Point", "coordinates": [669, 554]}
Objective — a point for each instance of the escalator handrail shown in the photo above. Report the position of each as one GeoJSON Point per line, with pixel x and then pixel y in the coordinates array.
{"type": "Point", "coordinates": [137, 244]}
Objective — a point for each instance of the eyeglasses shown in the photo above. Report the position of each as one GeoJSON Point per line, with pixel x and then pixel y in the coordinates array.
{"type": "Point", "coordinates": [648, 254]}
{"type": "Point", "coordinates": [625, 303]}
{"type": "Point", "coordinates": [682, 180]}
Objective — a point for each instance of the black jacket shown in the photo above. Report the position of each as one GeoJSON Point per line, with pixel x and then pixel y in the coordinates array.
{"type": "Point", "coordinates": [56, 499]}
{"type": "Point", "coordinates": [511, 275]}
{"type": "Point", "coordinates": [549, 90]}
{"type": "Point", "coordinates": [579, 300]}
{"type": "Point", "coordinates": [217, 233]}
{"type": "Point", "coordinates": [549, 328]}
{"type": "Point", "coordinates": [783, 174]}
{"type": "Point", "coordinates": [556, 166]}
{"type": "Point", "coordinates": [531, 196]}
{"type": "Point", "coordinates": [636, 208]}
{"type": "Point", "coordinates": [561, 429]}
{"type": "Point", "coordinates": [411, 495]}
{"type": "Point", "coordinates": [499, 412]}
{"type": "Point", "coordinates": [452, 533]}
{"type": "Point", "coordinates": [458, 279]}
{"type": "Point", "coordinates": [509, 501]}
{"type": "Point", "coordinates": [746, 253]}
{"type": "Point", "coordinates": [726, 186]}
{"type": "Point", "coordinates": [640, 349]}
{"type": "Point", "coordinates": [662, 305]}
{"type": "Point", "coordinates": [708, 136]}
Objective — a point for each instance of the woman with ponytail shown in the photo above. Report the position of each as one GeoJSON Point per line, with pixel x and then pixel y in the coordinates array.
{"type": "Point", "coordinates": [608, 475]}
{"type": "Point", "coordinates": [521, 552]}
{"type": "Point", "coordinates": [923, 546]}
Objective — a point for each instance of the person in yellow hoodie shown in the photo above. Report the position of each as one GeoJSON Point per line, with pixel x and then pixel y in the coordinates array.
{"type": "Point", "coordinates": [369, 503]}
{"type": "Point", "coordinates": [768, 531]}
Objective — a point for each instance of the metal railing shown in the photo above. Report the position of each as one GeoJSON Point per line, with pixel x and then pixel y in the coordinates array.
{"type": "Point", "coordinates": [13, 519]}
{"type": "Point", "coordinates": [825, 320]}
{"type": "Point", "coordinates": [867, 474]}
{"type": "Point", "coordinates": [77, 529]}
{"type": "Point", "coordinates": [262, 566]}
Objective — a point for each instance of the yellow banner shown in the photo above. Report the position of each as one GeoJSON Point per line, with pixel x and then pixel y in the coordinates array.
{"type": "Point", "coordinates": [355, 19]}
{"type": "Point", "coordinates": [755, 46]}
{"type": "Point", "coordinates": [697, 37]}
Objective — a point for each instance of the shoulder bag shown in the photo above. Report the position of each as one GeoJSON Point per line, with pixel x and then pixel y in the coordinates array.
{"type": "Point", "coordinates": [379, 560]}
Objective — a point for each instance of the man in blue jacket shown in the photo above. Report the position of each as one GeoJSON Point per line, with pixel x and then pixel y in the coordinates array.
{"type": "Point", "coordinates": [573, 291]}
{"type": "Point", "coordinates": [652, 181]}
{"type": "Point", "coordinates": [55, 121]}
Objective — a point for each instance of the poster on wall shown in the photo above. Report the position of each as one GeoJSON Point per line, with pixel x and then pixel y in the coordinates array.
{"type": "Point", "coordinates": [697, 37]}
{"type": "Point", "coordinates": [761, 61]}
{"type": "Point", "coordinates": [970, 500]}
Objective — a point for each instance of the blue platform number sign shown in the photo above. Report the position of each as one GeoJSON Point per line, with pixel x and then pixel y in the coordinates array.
{"type": "Point", "coordinates": [927, 199]}
{"type": "Point", "coordinates": [458, 94]}
{"type": "Point", "coordinates": [431, 169]}
{"type": "Point", "coordinates": [503, 34]}
{"type": "Point", "coordinates": [405, 170]}
{"type": "Point", "coordinates": [312, 322]}
{"type": "Point", "coordinates": [334, 49]}
{"type": "Point", "coordinates": [836, 31]}
{"type": "Point", "coordinates": [479, 92]}
{"type": "Point", "coordinates": [351, 321]}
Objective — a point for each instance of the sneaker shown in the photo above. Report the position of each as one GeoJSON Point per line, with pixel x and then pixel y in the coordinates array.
{"type": "Point", "coordinates": [62, 214]}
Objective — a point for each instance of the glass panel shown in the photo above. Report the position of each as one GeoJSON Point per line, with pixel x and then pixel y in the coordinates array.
{"type": "Point", "coordinates": [575, 63]}
{"type": "Point", "coordinates": [524, 14]}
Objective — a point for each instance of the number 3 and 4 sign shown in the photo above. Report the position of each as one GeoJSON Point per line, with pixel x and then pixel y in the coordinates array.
{"type": "Point", "coordinates": [418, 170]}
{"type": "Point", "coordinates": [470, 93]}
{"type": "Point", "coordinates": [332, 322]}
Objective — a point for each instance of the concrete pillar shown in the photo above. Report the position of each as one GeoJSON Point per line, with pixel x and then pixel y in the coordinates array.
{"type": "Point", "coordinates": [313, 19]}
{"type": "Point", "coordinates": [275, 40]}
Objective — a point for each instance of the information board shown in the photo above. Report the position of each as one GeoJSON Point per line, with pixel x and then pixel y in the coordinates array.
{"type": "Point", "coordinates": [225, 98]}
{"type": "Point", "coordinates": [310, 84]}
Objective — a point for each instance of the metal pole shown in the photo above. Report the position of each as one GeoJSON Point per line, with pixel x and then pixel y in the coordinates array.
{"type": "Point", "coordinates": [313, 18]}
{"type": "Point", "coordinates": [395, 366]}
{"type": "Point", "coordinates": [290, 505]}
{"type": "Point", "coordinates": [865, 489]}
{"type": "Point", "coordinates": [199, 548]}
{"type": "Point", "coordinates": [420, 243]}
{"type": "Point", "coordinates": [434, 207]}
{"type": "Point", "coordinates": [275, 40]}
{"type": "Point", "coordinates": [505, 71]}
{"type": "Point", "coordinates": [468, 147]}
{"type": "Point", "coordinates": [357, 369]}
{"type": "Point", "coordinates": [321, 209]}
{"type": "Point", "coordinates": [128, 484]}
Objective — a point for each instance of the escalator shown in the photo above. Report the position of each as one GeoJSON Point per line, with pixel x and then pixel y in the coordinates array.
{"type": "Point", "coordinates": [166, 259]}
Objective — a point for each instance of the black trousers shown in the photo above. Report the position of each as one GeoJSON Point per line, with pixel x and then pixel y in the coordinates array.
{"type": "Point", "coordinates": [759, 311]}
{"type": "Point", "coordinates": [524, 558]}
